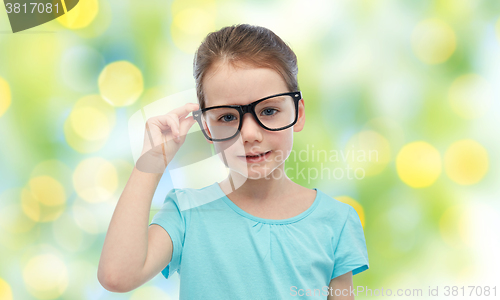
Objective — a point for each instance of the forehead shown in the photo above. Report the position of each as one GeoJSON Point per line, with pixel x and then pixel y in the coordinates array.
{"type": "Point", "coordinates": [225, 84]}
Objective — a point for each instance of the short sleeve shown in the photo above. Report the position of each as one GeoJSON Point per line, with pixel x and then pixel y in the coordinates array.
{"type": "Point", "coordinates": [350, 253]}
{"type": "Point", "coordinates": [170, 218]}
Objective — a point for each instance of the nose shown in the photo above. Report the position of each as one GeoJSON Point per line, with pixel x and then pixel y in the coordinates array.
{"type": "Point", "coordinates": [250, 129]}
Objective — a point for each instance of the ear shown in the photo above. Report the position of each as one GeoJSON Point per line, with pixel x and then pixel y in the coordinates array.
{"type": "Point", "coordinates": [301, 119]}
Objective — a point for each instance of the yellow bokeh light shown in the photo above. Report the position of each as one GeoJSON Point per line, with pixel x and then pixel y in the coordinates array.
{"type": "Point", "coordinates": [46, 276]}
{"type": "Point", "coordinates": [466, 162]}
{"type": "Point", "coordinates": [12, 217]}
{"type": "Point", "coordinates": [81, 15]}
{"type": "Point", "coordinates": [433, 41]}
{"type": "Point", "coordinates": [95, 179]}
{"type": "Point", "coordinates": [121, 83]}
{"type": "Point", "coordinates": [455, 226]}
{"type": "Point", "coordinates": [47, 190]}
{"type": "Point", "coordinates": [44, 199]}
{"type": "Point", "coordinates": [470, 96]}
{"type": "Point", "coordinates": [418, 164]}
{"type": "Point", "coordinates": [30, 205]}
{"type": "Point", "coordinates": [5, 290]}
{"type": "Point", "coordinates": [89, 124]}
{"type": "Point", "coordinates": [369, 151]}
{"type": "Point", "coordinates": [55, 169]}
{"type": "Point", "coordinates": [15, 220]}
{"type": "Point", "coordinates": [190, 26]}
{"type": "Point", "coordinates": [149, 292]}
{"type": "Point", "coordinates": [355, 204]}
{"type": "Point", "coordinates": [81, 145]}
{"type": "Point", "coordinates": [5, 96]}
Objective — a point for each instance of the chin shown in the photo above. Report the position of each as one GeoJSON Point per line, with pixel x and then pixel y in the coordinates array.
{"type": "Point", "coordinates": [264, 171]}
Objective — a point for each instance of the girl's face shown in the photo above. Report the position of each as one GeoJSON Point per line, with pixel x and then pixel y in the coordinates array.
{"type": "Point", "coordinates": [228, 85]}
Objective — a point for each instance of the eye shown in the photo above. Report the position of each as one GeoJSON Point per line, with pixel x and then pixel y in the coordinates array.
{"type": "Point", "coordinates": [269, 111]}
{"type": "Point", "coordinates": [227, 118]}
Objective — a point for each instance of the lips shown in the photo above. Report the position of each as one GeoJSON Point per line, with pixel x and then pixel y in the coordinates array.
{"type": "Point", "coordinates": [255, 157]}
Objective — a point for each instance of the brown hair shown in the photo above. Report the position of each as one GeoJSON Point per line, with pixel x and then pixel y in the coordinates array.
{"type": "Point", "coordinates": [243, 43]}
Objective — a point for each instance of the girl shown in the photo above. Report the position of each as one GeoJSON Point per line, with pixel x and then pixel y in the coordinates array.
{"type": "Point", "coordinates": [264, 237]}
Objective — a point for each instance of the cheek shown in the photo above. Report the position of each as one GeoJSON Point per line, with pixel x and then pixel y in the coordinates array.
{"type": "Point", "coordinates": [283, 140]}
{"type": "Point", "coordinates": [230, 147]}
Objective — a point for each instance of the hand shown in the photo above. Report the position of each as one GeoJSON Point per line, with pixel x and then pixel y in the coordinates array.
{"type": "Point", "coordinates": [163, 136]}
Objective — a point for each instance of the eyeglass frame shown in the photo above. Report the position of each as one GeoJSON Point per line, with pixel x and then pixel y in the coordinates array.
{"type": "Point", "coordinates": [249, 108]}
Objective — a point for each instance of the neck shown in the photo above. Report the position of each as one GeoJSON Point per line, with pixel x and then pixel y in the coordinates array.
{"type": "Point", "coordinates": [259, 190]}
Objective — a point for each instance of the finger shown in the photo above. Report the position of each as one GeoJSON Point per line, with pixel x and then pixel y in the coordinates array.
{"type": "Point", "coordinates": [183, 115]}
{"type": "Point", "coordinates": [158, 121]}
{"type": "Point", "coordinates": [174, 123]}
{"type": "Point", "coordinates": [179, 113]}
{"type": "Point", "coordinates": [166, 122]}
{"type": "Point", "coordinates": [190, 107]}
{"type": "Point", "coordinates": [185, 109]}
{"type": "Point", "coordinates": [186, 124]}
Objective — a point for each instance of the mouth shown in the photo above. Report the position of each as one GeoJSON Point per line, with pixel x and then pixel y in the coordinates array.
{"type": "Point", "coordinates": [256, 157]}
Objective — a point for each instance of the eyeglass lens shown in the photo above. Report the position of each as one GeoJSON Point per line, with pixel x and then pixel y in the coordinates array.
{"type": "Point", "coordinates": [274, 113]}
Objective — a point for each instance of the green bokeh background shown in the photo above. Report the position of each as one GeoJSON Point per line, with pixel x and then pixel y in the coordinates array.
{"type": "Point", "coordinates": [391, 69]}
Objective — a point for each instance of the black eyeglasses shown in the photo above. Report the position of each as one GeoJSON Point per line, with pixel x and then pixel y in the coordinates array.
{"type": "Point", "coordinates": [274, 113]}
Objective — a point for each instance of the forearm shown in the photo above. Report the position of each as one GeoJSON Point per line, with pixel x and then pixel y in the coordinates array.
{"type": "Point", "coordinates": [126, 244]}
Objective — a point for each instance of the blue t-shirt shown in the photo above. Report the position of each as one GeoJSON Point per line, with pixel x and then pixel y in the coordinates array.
{"type": "Point", "coordinates": [222, 252]}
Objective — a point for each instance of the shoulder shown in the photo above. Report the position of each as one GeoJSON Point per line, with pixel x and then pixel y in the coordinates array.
{"type": "Point", "coordinates": [188, 198]}
{"type": "Point", "coordinates": [333, 205]}
{"type": "Point", "coordinates": [335, 211]}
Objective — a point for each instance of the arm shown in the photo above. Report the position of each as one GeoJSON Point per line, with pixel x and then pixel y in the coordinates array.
{"type": "Point", "coordinates": [343, 284]}
{"type": "Point", "coordinates": [133, 253]}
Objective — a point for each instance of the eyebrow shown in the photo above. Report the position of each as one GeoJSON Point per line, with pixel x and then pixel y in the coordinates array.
{"type": "Point", "coordinates": [273, 95]}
